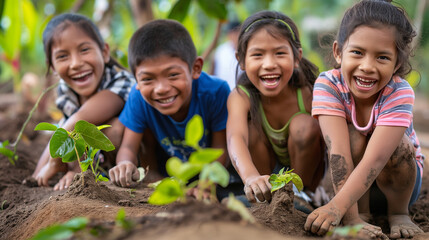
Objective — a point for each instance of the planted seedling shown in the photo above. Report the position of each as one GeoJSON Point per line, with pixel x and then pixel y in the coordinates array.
{"type": "Point", "coordinates": [122, 222]}
{"type": "Point", "coordinates": [84, 141]}
{"type": "Point", "coordinates": [200, 162]}
{"type": "Point", "coordinates": [62, 231]}
{"type": "Point", "coordinates": [279, 180]}
{"type": "Point", "coordinates": [5, 146]}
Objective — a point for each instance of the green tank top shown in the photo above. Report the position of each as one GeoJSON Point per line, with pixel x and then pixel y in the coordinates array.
{"type": "Point", "coordinates": [278, 137]}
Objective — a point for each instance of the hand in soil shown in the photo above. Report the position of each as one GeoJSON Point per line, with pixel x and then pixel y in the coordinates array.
{"type": "Point", "coordinates": [323, 219]}
{"type": "Point", "coordinates": [258, 188]}
{"type": "Point", "coordinates": [401, 226]}
{"type": "Point", "coordinates": [125, 174]}
{"type": "Point", "coordinates": [49, 170]}
{"type": "Point", "coordinates": [65, 181]}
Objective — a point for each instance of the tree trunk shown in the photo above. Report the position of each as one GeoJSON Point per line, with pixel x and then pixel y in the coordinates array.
{"type": "Point", "coordinates": [142, 11]}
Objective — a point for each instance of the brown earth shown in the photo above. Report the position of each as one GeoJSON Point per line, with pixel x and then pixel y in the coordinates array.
{"type": "Point", "coordinates": [27, 208]}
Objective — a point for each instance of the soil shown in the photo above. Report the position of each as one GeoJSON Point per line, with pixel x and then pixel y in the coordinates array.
{"type": "Point", "coordinates": [27, 208]}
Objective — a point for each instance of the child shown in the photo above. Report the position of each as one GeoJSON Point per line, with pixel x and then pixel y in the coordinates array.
{"type": "Point", "coordinates": [269, 125]}
{"type": "Point", "coordinates": [171, 88]}
{"type": "Point", "coordinates": [93, 87]}
{"type": "Point", "coordinates": [364, 107]}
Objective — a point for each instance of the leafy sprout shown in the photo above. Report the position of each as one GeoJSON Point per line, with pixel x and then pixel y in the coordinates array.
{"type": "Point", "coordinates": [202, 162]}
{"type": "Point", "coordinates": [279, 180]}
{"type": "Point", "coordinates": [85, 140]}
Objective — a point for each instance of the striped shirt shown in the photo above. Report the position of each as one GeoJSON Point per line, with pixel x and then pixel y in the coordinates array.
{"type": "Point", "coordinates": [394, 106]}
{"type": "Point", "coordinates": [118, 82]}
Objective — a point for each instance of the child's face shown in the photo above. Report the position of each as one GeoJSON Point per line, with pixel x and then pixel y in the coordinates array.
{"type": "Point", "coordinates": [269, 62]}
{"type": "Point", "coordinates": [79, 61]}
{"type": "Point", "coordinates": [166, 84]}
{"type": "Point", "coordinates": [368, 61]}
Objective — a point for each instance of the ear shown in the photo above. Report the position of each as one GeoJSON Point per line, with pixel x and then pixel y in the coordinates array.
{"type": "Point", "coordinates": [337, 52]}
{"type": "Point", "coordinates": [106, 53]}
{"type": "Point", "coordinates": [397, 67]}
{"type": "Point", "coordinates": [238, 60]}
{"type": "Point", "coordinates": [197, 68]}
{"type": "Point", "coordinates": [299, 57]}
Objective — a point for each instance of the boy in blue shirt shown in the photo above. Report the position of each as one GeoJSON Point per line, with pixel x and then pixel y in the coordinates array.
{"type": "Point", "coordinates": [171, 88]}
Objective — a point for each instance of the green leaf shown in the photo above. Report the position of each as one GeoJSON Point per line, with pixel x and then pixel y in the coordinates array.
{"type": "Point", "coordinates": [194, 131]}
{"type": "Point", "coordinates": [183, 171]}
{"type": "Point", "coordinates": [77, 223]}
{"type": "Point", "coordinates": [216, 173]}
{"type": "Point", "coordinates": [93, 137]}
{"type": "Point", "coordinates": [84, 165]}
{"type": "Point", "coordinates": [62, 231]}
{"type": "Point", "coordinates": [101, 178]}
{"type": "Point", "coordinates": [206, 155]}
{"type": "Point", "coordinates": [60, 144]}
{"type": "Point", "coordinates": [71, 156]}
{"type": "Point", "coordinates": [277, 185]}
{"type": "Point", "coordinates": [214, 8]}
{"type": "Point", "coordinates": [168, 191]}
{"type": "Point", "coordinates": [179, 10]}
{"type": "Point", "coordinates": [45, 127]}
{"type": "Point", "coordinates": [296, 180]}
{"type": "Point", "coordinates": [121, 221]}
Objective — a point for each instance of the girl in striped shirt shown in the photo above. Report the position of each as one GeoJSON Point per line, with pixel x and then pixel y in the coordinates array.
{"type": "Point", "coordinates": [364, 107]}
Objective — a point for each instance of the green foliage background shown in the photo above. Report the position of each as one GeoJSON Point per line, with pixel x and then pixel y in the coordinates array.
{"type": "Point", "coordinates": [22, 23]}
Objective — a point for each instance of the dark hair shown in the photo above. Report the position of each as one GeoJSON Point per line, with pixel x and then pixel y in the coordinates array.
{"type": "Point", "coordinates": [378, 13]}
{"type": "Point", "coordinates": [161, 37]}
{"type": "Point", "coordinates": [61, 22]}
{"type": "Point", "coordinates": [277, 25]}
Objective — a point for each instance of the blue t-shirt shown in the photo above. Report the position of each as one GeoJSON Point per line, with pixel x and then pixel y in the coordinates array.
{"type": "Point", "coordinates": [209, 97]}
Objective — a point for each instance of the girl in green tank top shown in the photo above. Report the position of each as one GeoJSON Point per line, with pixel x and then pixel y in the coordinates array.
{"type": "Point", "coordinates": [269, 122]}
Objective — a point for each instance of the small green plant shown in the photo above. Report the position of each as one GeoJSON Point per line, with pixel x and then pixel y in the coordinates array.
{"type": "Point", "coordinates": [122, 222]}
{"type": "Point", "coordinates": [3, 204]}
{"type": "Point", "coordinates": [346, 231]}
{"type": "Point", "coordinates": [62, 231]}
{"type": "Point", "coordinates": [85, 140]}
{"type": "Point", "coordinates": [131, 191]}
{"type": "Point", "coordinates": [279, 180]}
{"type": "Point", "coordinates": [5, 145]}
{"type": "Point", "coordinates": [200, 162]}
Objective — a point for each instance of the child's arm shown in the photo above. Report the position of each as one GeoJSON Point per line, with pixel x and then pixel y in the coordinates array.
{"type": "Point", "coordinates": [351, 183]}
{"type": "Point", "coordinates": [219, 141]}
{"type": "Point", "coordinates": [125, 171]}
{"type": "Point", "coordinates": [237, 141]}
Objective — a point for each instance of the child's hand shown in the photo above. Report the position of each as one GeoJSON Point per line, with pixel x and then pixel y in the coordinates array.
{"type": "Point", "coordinates": [195, 192]}
{"type": "Point", "coordinates": [52, 167]}
{"type": "Point", "coordinates": [65, 181]}
{"type": "Point", "coordinates": [323, 219]}
{"type": "Point", "coordinates": [258, 188]}
{"type": "Point", "coordinates": [124, 174]}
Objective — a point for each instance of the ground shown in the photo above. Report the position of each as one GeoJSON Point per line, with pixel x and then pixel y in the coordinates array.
{"type": "Point", "coordinates": [26, 208]}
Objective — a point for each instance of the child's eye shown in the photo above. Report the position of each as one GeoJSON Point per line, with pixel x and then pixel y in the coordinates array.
{"type": "Point", "coordinates": [173, 75]}
{"type": "Point", "coordinates": [85, 49]}
{"type": "Point", "coordinates": [256, 54]}
{"type": "Point", "coordinates": [61, 57]}
{"type": "Point", "coordinates": [281, 53]}
{"type": "Point", "coordinates": [384, 58]}
{"type": "Point", "coordinates": [147, 79]}
{"type": "Point", "coordinates": [356, 52]}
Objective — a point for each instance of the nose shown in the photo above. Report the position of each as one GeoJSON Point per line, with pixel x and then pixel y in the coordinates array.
{"type": "Point", "coordinates": [162, 87]}
{"type": "Point", "coordinates": [269, 62]}
{"type": "Point", "coordinates": [367, 64]}
{"type": "Point", "coordinates": [76, 61]}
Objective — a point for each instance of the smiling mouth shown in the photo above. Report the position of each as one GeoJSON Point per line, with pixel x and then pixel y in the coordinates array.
{"type": "Point", "coordinates": [167, 100]}
{"type": "Point", "coordinates": [365, 83]}
{"type": "Point", "coordinates": [81, 77]}
{"type": "Point", "coordinates": [270, 80]}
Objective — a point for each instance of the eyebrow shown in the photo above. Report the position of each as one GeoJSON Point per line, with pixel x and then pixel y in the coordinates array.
{"type": "Point", "coordinates": [261, 49]}
{"type": "Point", "coordinates": [164, 70]}
{"type": "Point", "coordinates": [380, 52]}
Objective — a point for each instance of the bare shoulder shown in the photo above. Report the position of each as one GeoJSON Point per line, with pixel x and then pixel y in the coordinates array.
{"type": "Point", "coordinates": [238, 100]}
{"type": "Point", "coordinates": [307, 97]}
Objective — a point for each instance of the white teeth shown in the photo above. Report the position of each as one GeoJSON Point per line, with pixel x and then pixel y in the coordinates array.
{"type": "Point", "coordinates": [81, 75]}
{"type": "Point", "coordinates": [168, 100]}
{"type": "Point", "coordinates": [360, 82]}
{"type": "Point", "coordinates": [270, 76]}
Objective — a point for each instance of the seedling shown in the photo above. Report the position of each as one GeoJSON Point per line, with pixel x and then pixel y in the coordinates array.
{"type": "Point", "coordinates": [11, 154]}
{"type": "Point", "coordinates": [85, 140]}
{"type": "Point", "coordinates": [200, 162]}
{"type": "Point", "coordinates": [131, 191]}
{"type": "Point", "coordinates": [279, 180]}
{"type": "Point", "coordinates": [62, 231]}
{"type": "Point", "coordinates": [122, 222]}
{"type": "Point", "coordinates": [346, 231]}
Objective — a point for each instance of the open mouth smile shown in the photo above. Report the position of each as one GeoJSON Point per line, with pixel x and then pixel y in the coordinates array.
{"type": "Point", "coordinates": [364, 83]}
{"type": "Point", "coordinates": [270, 81]}
{"type": "Point", "coordinates": [81, 77]}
